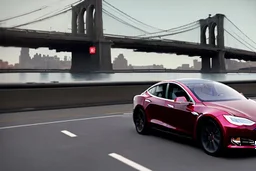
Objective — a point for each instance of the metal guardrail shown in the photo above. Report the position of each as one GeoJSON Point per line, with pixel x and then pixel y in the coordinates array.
{"type": "Point", "coordinates": [37, 96]}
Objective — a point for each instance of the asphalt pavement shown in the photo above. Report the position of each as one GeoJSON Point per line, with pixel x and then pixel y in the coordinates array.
{"type": "Point", "coordinates": [99, 138]}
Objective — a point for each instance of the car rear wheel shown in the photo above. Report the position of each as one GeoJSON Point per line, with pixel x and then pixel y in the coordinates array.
{"type": "Point", "coordinates": [140, 121]}
{"type": "Point", "coordinates": [211, 138]}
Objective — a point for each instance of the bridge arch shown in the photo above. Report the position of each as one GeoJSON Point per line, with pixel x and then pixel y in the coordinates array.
{"type": "Point", "coordinates": [90, 20]}
{"type": "Point", "coordinates": [213, 33]}
{"type": "Point", "coordinates": [81, 20]}
{"type": "Point", "coordinates": [216, 34]}
{"type": "Point", "coordinates": [74, 21]}
{"type": "Point", "coordinates": [205, 33]}
{"type": "Point", "coordinates": [86, 20]}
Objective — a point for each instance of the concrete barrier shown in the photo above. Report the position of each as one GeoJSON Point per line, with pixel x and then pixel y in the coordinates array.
{"type": "Point", "coordinates": [37, 96]}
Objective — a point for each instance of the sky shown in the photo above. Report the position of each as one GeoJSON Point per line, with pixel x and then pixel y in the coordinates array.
{"type": "Point", "coordinates": [163, 14]}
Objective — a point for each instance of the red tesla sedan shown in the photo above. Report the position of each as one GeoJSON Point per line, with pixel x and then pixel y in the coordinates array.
{"type": "Point", "coordinates": [213, 114]}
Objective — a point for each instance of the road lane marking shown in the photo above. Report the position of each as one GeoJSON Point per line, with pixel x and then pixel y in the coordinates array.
{"type": "Point", "coordinates": [127, 115]}
{"type": "Point", "coordinates": [129, 162]}
{"type": "Point", "coordinates": [68, 133]}
{"type": "Point", "coordinates": [62, 121]}
{"type": "Point", "coordinates": [62, 116]}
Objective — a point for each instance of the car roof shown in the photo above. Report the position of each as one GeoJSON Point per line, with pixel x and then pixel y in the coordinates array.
{"type": "Point", "coordinates": [189, 80]}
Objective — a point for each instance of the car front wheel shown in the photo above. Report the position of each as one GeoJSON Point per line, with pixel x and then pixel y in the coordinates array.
{"type": "Point", "coordinates": [211, 138]}
{"type": "Point", "coordinates": [140, 121]}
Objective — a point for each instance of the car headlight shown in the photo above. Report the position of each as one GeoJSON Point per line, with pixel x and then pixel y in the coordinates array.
{"type": "Point", "coordinates": [239, 120]}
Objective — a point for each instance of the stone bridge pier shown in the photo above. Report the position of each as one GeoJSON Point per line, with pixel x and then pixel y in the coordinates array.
{"type": "Point", "coordinates": [87, 20]}
{"type": "Point", "coordinates": [215, 34]}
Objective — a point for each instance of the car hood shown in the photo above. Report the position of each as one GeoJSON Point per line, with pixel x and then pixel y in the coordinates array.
{"type": "Point", "coordinates": [242, 108]}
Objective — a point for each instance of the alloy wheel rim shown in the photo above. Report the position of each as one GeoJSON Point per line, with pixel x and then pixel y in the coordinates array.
{"type": "Point", "coordinates": [139, 121]}
{"type": "Point", "coordinates": [211, 138]}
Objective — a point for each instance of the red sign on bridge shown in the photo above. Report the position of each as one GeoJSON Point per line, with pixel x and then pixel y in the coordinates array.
{"type": "Point", "coordinates": [92, 50]}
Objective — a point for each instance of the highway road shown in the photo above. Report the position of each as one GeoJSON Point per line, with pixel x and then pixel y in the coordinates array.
{"type": "Point", "coordinates": [99, 138]}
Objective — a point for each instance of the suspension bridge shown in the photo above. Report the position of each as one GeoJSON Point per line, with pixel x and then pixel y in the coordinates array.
{"type": "Point", "coordinates": [89, 31]}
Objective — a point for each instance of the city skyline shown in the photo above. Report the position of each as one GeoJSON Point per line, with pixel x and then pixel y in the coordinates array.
{"type": "Point", "coordinates": [167, 11]}
{"type": "Point", "coordinates": [42, 61]}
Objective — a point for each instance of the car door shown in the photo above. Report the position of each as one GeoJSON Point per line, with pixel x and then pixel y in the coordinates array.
{"type": "Point", "coordinates": [169, 114]}
{"type": "Point", "coordinates": [185, 117]}
{"type": "Point", "coordinates": [169, 108]}
{"type": "Point", "coordinates": [180, 115]}
{"type": "Point", "coordinates": [155, 103]}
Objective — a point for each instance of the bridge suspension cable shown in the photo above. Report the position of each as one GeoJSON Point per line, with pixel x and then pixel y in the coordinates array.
{"type": "Point", "coordinates": [130, 17]}
{"type": "Point", "coordinates": [171, 34]}
{"type": "Point", "coordinates": [122, 21]}
{"type": "Point", "coordinates": [48, 16]}
{"type": "Point", "coordinates": [24, 14]}
{"type": "Point", "coordinates": [238, 40]}
{"type": "Point", "coordinates": [58, 10]}
{"type": "Point", "coordinates": [173, 29]}
{"type": "Point", "coordinates": [45, 18]}
{"type": "Point", "coordinates": [240, 30]}
{"type": "Point", "coordinates": [30, 12]}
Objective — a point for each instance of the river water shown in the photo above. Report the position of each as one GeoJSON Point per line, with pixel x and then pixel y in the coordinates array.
{"type": "Point", "coordinates": [116, 77]}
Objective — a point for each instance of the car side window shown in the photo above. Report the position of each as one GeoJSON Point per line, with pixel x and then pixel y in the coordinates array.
{"type": "Point", "coordinates": [152, 90]}
{"type": "Point", "coordinates": [176, 91]}
{"type": "Point", "coordinates": [159, 90]}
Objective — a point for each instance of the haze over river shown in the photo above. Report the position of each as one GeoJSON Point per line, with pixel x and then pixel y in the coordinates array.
{"type": "Point", "coordinates": [117, 77]}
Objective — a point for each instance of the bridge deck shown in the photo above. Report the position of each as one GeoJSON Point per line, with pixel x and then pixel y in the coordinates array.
{"type": "Point", "coordinates": [70, 42]}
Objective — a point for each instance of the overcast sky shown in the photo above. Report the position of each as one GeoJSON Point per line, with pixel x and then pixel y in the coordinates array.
{"type": "Point", "coordinates": [162, 14]}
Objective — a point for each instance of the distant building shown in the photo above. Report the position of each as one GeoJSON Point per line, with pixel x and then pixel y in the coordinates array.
{"type": "Point", "coordinates": [3, 65]}
{"type": "Point", "coordinates": [236, 65]}
{"type": "Point", "coordinates": [154, 66]}
{"type": "Point", "coordinates": [41, 61]}
{"type": "Point", "coordinates": [196, 64]}
{"type": "Point", "coordinates": [230, 65]}
{"type": "Point", "coordinates": [6, 65]}
{"type": "Point", "coordinates": [184, 67]}
{"type": "Point", "coordinates": [120, 63]}
{"type": "Point", "coordinates": [24, 58]}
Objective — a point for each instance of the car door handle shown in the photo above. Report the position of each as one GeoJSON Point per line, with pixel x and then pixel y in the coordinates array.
{"type": "Point", "coordinates": [171, 106]}
{"type": "Point", "coordinates": [147, 100]}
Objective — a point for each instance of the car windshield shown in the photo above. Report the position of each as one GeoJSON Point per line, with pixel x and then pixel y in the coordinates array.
{"type": "Point", "coordinates": [214, 91]}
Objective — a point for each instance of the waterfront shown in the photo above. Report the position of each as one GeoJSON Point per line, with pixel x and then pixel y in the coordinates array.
{"type": "Point", "coordinates": [116, 77]}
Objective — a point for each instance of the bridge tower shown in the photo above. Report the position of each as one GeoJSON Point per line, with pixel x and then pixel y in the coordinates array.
{"type": "Point", "coordinates": [215, 25]}
{"type": "Point", "coordinates": [82, 60]}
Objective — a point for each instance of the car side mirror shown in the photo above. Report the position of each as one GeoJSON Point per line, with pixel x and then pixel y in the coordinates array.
{"type": "Point", "coordinates": [181, 99]}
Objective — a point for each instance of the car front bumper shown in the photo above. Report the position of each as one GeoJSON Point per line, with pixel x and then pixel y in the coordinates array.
{"type": "Point", "coordinates": [238, 137]}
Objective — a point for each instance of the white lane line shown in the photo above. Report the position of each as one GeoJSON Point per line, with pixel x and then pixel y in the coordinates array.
{"type": "Point", "coordinates": [127, 115]}
{"type": "Point", "coordinates": [129, 162]}
{"type": "Point", "coordinates": [68, 133]}
{"type": "Point", "coordinates": [62, 121]}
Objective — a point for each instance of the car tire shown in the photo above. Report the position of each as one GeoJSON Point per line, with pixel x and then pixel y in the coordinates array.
{"type": "Point", "coordinates": [211, 138]}
{"type": "Point", "coordinates": [140, 122]}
